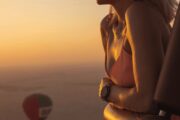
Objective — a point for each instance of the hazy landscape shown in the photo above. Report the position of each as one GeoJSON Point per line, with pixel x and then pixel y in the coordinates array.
{"type": "Point", "coordinates": [73, 90]}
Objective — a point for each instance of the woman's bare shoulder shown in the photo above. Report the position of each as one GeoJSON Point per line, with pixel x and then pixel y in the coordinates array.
{"type": "Point", "coordinates": [142, 21]}
{"type": "Point", "coordinates": [143, 12]}
{"type": "Point", "coordinates": [141, 8]}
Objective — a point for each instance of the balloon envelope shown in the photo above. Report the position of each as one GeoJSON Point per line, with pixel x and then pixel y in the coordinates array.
{"type": "Point", "coordinates": [37, 106]}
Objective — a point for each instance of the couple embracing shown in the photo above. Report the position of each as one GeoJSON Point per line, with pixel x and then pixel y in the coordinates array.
{"type": "Point", "coordinates": [135, 36]}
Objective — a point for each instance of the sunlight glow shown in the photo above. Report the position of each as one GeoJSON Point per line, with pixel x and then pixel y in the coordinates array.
{"type": "Point", "coordinates": [50, 32]}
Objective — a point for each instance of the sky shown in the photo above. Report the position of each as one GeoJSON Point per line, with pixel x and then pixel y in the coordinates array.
{"type": "Point", "coordinates": [50, 32]}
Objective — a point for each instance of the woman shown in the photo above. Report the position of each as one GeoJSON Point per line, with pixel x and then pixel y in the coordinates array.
{"type": "Point", "coordinates": [137, 59]}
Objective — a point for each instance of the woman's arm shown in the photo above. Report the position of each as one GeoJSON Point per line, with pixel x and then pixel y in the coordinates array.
{"type": "Point", "coordinates": [144, 36]}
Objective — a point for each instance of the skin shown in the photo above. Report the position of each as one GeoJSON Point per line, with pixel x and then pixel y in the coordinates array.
{"type": "Point", "coordinates": [148, 35]}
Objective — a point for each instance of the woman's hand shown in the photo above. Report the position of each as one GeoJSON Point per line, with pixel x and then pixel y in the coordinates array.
{"type": "Point", "coordinates": [104, 82]}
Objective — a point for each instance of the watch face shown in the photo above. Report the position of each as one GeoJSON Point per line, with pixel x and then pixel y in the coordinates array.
{"type": "Point", "coordinates": [105, 92]}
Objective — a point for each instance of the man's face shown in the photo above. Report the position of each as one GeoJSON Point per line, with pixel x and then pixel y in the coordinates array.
{"type": "Point", "coordinates": [101, 2]}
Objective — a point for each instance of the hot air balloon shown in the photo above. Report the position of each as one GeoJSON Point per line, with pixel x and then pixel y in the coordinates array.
{"type": "Point", "coordinates": [37, 106]}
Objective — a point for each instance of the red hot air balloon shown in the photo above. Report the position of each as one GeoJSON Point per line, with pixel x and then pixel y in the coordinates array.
{"type": "Point", "coordinates": [37, 106]}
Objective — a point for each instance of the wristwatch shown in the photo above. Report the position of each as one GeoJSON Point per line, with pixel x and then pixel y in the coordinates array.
{"type": "Point", "coordinates": [105, 92]}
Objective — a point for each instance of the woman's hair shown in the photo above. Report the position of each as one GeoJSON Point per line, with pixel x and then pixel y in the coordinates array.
{"type": "Point", "coordinates": [168, 8]}
{"type": "Point", "coordinates": [111, 10]}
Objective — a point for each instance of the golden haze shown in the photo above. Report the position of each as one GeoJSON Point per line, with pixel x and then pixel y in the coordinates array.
{"type": "Point", "coordinates": [42, 32]}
